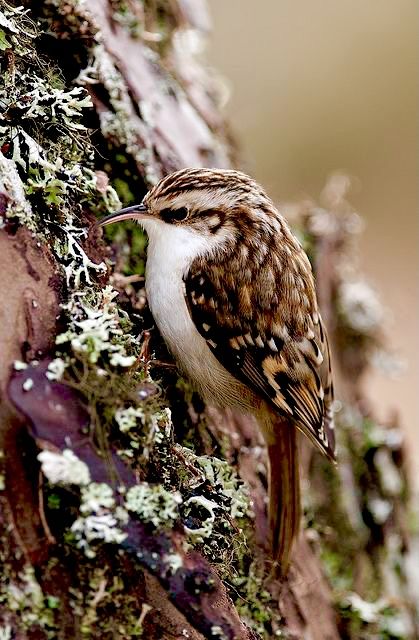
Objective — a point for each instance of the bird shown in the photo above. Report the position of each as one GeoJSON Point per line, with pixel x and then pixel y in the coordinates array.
{"type": "Point", "coordinates": [232, 293]}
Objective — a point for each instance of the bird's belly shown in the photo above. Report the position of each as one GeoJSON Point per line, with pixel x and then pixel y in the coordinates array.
{"type": "Point", "coordinates": [166, 299]}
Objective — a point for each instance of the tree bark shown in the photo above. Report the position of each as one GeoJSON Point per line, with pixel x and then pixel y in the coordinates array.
{"type": "Point", "coordinates": [120, 518]}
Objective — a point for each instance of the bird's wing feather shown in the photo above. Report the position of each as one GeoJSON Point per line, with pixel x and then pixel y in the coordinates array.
{"type": "Point", "coordinates": [292, 372]}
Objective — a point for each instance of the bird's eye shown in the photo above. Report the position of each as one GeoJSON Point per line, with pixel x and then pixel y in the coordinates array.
{"type": "Point", "coordinates": [174, 215]}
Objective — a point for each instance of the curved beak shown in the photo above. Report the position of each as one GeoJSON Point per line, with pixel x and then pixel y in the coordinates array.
{"type": "Point", "coordinates": [136, 212]}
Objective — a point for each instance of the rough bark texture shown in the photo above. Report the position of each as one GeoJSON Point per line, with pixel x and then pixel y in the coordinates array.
{"type": "Point", "coordinates": [120, 518]}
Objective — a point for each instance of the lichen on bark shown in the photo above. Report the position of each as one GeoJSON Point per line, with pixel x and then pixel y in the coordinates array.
{"type": "Point", "coordinates": [128, 509]}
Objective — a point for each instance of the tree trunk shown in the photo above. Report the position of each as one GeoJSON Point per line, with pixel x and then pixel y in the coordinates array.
{"type": "Point", "coordinates": [128, 508]}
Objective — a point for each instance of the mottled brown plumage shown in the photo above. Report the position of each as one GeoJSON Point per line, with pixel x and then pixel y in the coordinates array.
{"type": "Point", "coordinates": [232, 292]}
{"type": "Point", "coordinates": [265, 329]}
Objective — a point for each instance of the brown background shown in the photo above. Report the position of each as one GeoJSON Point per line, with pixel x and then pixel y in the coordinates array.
{"type": "Point", "coordinates": [323, 86]}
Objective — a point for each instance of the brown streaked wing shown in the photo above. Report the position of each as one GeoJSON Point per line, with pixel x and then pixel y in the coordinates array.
{"type": "Point", "coordinates": [287, 373]}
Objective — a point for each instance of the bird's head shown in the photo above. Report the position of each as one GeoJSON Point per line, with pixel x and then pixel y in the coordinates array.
{"type": "Point", "coordinates": [213, 204]}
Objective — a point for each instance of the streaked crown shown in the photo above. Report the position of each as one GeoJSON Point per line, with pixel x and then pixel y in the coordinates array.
{"type": "Point", "coordinates": [192, 192]}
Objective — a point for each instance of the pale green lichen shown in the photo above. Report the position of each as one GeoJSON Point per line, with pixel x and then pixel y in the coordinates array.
{"type": "Point", "coordinates": [147, 428]}
{"type": "Point", "coordinates": [44, 103]}
{"type": "Point", "coordinates": [118, 124]}
{"type": "Point", "coordinates": [96, 497]}
{"type": "Point", "coordinates": [16, 31]}
{"type": "Point", "coordinates": [26, 600]}
{"type": "Point", "coordinates": [382, 618]}
{"type": "Point", "coordinates": [100, 519]}
{"type": "Point", "coordinates": [52, 174]}
{"type": "Point", "coordinates": [53, 105]}
{"type": "Point", "coordinates": [17, 205]}
{"type": "Point", "coordinates": [221, 475]}
{"type": "Point", "coordinates": [95, 333]}
{"type": "Point", "coordinates": [105, 607]}
{"type": "Point", "coordinates": [129, 418]}
{"type": "Point", "coordinates": [97, 529]}
{"type": "Point", "coordinates": [152, 503]}
{"type": "Point", "coordinates": [255, 605]}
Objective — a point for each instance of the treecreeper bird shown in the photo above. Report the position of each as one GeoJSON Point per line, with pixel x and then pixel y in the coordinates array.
{"type": "Point", "coordinates": [232, 293]}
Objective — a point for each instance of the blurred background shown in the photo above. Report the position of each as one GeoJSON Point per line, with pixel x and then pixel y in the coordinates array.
{"type": "Point", "coordinates": [320, 87]}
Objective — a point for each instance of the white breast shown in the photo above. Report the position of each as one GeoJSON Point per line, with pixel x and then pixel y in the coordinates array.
{"type": "Point", "coordinates": [171, 251]}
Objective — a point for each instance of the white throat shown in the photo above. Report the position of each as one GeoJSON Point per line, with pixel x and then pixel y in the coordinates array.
{"type": "Point", "coordinates": [172, 248]}
{"type": "Point", "coordinates": [171, 251]}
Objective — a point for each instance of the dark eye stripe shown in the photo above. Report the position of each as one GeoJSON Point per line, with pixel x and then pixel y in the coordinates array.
{"type": "Point", "coordinates": [174, 215]}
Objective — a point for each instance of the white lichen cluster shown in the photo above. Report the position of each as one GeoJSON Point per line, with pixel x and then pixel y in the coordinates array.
{"type": "Point", "coordinates": [145, 428]}
{"type": "Point", "coordinates": [55, 369]}
{"type": "Point", "coordinates": [221, 475]}
{"type": "Point", "coordinates": [218, 633]}
{"type": "Point", "coordinates": [100, 517]}
{"type": "Point", "coordinates": [229, 496]}
{"type": "Point", "coordinates": [207, 523]}
{"type": "Point", "coordinates": [100, 520]}
{"type": "Point", "coordinates": [64, 468]}
{"type": "Point", "coordinates": [51, 104]}
{"type": "Point", "coordinates": [15, 28]}
{"type": "Point", "coordinates": [28, 384]}
{"type": "Point", "coordinates": [94, 332]}
{"type": "Point", "coordinates": [172, 562]}
{"type": "Point", "coordinates": [129, 418]}
{"type": "Point", "coordinates": [77, 265]}
{"type": "Point", "coordinates": [6, 632]}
